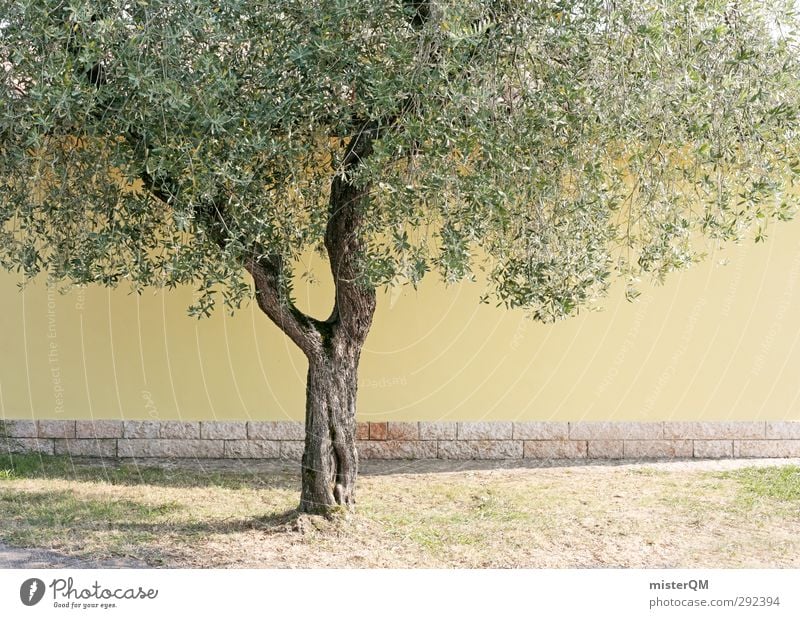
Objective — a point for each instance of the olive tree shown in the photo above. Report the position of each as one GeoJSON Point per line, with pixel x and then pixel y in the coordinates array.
{"type": "Point", "coordinates": [548, 146]}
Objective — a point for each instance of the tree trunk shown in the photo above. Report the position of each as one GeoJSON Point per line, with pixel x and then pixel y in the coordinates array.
{"type": "Point", "coordinates": [330, 460]}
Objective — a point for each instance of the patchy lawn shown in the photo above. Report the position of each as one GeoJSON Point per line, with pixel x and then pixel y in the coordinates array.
{"type": "Point", "coordinates": [410, 514]}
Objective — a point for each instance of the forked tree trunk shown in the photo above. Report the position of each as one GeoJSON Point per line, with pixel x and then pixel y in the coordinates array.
{"type": "Point", "coordinates": [330, 460]}
{"type": "Point", "coordinates": [332, 347]}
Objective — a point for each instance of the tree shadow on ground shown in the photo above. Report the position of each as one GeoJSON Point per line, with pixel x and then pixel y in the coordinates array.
{"type": "Point", "coordinates": [377, 467]}
{"type": "Point", "coordinates": [61, 519]}
{"type": "Point", "coordinates": [283, 474]}
{"type": "Point", "coordinates": [230, 474]}
{"type": "Point", "coordinates": [266, 474]}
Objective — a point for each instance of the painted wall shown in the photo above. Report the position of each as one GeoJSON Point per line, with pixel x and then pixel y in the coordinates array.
{"type": "Point", "coordinates": [717, 342]}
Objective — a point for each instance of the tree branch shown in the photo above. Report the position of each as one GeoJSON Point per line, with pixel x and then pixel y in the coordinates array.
{"type": "Point", "coordinates": [266, 270]}
{"type": "Point", "coordinates": [300, 328]}
{"type": "Point", "coordinates": [355, 299]}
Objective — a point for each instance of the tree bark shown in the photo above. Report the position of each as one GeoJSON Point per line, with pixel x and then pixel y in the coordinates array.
{"type": "Point", "coordinates": [330, 460]}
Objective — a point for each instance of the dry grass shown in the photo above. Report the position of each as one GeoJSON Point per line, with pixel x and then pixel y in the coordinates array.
{"type": "Point", "coordinates": [409, 515]}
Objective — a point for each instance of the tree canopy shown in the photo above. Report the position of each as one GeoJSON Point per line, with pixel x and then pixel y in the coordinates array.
{"type": "Point", "coordinates": [552, 144]}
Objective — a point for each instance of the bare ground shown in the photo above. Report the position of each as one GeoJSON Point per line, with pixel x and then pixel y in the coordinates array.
{"type": "Point", "coordinates": [201, 514]}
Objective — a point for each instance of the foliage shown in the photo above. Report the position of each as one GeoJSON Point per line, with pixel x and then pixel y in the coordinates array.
{"type": "Point", "coordinates": [551, 143]}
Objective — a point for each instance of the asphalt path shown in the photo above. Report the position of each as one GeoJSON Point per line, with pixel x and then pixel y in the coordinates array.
{"type": "Point", "coordinates": [28, 558]}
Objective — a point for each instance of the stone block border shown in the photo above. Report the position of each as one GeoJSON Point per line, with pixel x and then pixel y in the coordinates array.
{"type": "Point", "coordinates": [504, 440]}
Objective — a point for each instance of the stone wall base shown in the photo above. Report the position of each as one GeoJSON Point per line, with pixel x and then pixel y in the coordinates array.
{"type": "Point", "coordinates": [406, 440]}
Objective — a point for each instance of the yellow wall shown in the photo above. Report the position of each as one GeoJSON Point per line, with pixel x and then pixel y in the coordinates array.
{"type": "Point", "coordinates": [717, 342]}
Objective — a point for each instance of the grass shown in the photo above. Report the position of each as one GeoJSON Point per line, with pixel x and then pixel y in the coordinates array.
{"type": "Point", "coordinates": [778, 483]}
{"type": "Point", "coordinates": [423, 514]}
